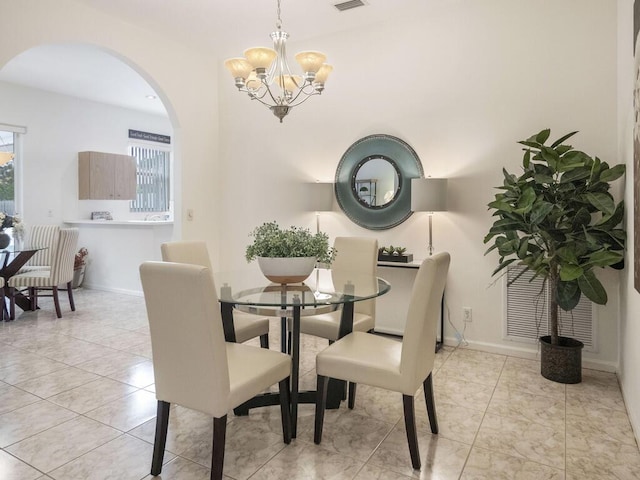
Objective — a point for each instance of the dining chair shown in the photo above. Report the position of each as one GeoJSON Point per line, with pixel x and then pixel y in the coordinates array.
{"type": "Point", "coordinates": [246, 325]}
{"type": "Point", "coordinates": [60, 273]}
{"type": "Point", "coordinates": [193, 365]}
{"type": "Point", "coordinates": [41, 236]}
{"type": "Point", "coordinates": [400, 366]}
{"type": "Point", "coordinates": [355, 256]}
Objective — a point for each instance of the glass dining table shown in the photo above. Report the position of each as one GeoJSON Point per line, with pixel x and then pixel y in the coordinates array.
{"type": "Point", "coordinates": [323, 291]}
{"type": "Point", "coordinates": [11, 264]}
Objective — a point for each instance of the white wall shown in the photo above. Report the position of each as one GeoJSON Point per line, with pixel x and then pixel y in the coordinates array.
{"type": "Point", "coordinates": [184, 78]}
{"type": "Point", "coordinates": [630, 298]}
{"type": "Point", "coordinates": [461, 82]}
{"type": "Point", "coordinates": [58, 127]}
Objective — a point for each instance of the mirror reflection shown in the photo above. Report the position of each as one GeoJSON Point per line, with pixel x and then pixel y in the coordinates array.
{"type": "Point", "coordinates": [376, 181]}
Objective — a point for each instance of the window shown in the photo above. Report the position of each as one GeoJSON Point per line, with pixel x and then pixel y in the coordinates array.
{"type": "Point", "coordinates": [7, 172]}
{"type": "Point", "coordinates": [153, 173]}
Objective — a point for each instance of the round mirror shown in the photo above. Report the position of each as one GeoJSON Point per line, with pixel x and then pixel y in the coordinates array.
{"type": "Point", "coordinates": [373, 184]}
{"type": "Point", "coordinates": [376, 181]}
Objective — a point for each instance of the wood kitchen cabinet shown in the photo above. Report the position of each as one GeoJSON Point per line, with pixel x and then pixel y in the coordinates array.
{"type": "Point", "coordinates": [106, 176]}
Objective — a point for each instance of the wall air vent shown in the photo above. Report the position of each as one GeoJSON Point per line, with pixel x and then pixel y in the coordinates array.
{"type": "Point", "coordinates": [348, 5]}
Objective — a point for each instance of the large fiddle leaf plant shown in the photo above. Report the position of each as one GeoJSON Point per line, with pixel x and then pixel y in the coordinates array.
{"type": "Point", "coordinates": [559, 220]}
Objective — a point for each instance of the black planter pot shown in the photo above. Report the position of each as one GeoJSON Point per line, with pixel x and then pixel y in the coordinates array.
{"type": "Point", "coordinates": [561, 363]}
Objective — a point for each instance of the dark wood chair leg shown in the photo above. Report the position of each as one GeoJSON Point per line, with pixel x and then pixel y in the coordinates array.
{"type": "Point", "coordinates": [33, 298]}
{"type": "Point", "coordinates": [429, 398]}
{"type": "Point", "coordinates": [12, 303]}
{"type": "Point", "coordinates": [285, 403]}
{"type": "Point", "coordinates": [289, 340]}
{"type": "Point", "coordinates": [4, 305]}
{"type": "Point", "coordinates": [410, 426]}
{"type": "Point", "coordinates": [352, 394]}
{"type": "Point", "coordinates": [321, 403]}
{"type": "Point", "coordinates": [71, 302]}
{"type": "Point", "coordinates": [264, 341]}
{"type": "Point", "coordinates": [162, 423]}
{"type": "Point", "coordinates": [219, 438]}
{"type": "Point", "coordinates": [56, 301]}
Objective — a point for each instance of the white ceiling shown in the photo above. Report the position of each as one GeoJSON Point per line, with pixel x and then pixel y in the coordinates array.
{"type": "Point", "coordinates": [223, 27]}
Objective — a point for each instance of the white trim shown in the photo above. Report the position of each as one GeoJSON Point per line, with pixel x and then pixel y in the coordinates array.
{"type": "Point", "coordinates": [103, 288]}
{"type": "Point", "coordinates": [530, 353]}
{"type": "Point", "coordinates": [13, 128]}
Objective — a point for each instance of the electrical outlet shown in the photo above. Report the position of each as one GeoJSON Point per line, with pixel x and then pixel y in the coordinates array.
{"type": "Point", "coordinates": [190, 214]}
{"type": "Point", "coordinates": [466, 314]}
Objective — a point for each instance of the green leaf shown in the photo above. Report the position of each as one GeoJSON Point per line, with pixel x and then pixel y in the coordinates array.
{"type": "Point", "coordinates": [504, 264]}
{"type": "Point", "coordinates": [526, 160]}
{"type": "Point", "coordinates": [575, 174]}
{"type": "Point", "coordinates": [562, 139]}
{"type": "Point", "coordinates": [543, 179]}
{"type": "Point", "coordinates": [530, 142]}
{"type": "Point", "coordinates": [543, 135]}
{"type": "Point", "coordinates": [612, 174]}
{"type": "Point", "coordinates": [602, 201]}
{"type": "Point", "coordinates": [604, 258]}
{"type": "Point", "coordinates": [526, 199]}
{"type": "Point", "coordinates": [607, 222]}
{"type": "Point", "coordinates": [570, 272]}
{"type": "Point", "coordinates": [581, 218]}
{"type": "Point", "coordinates": [540, 211]}
{"type": "Point", "coordinates": [592, 288]}
{"type": "Point", "coordinates": [568, 295]}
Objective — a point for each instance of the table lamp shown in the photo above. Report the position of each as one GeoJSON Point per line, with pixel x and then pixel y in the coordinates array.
{"type": "Point", "coordinates": [429, 195]}
{"type": "Point", "coordinates": [320, 199]}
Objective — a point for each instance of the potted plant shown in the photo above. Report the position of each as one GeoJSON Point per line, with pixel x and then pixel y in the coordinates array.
{"type": "Point", "coordinates": [288, 255]}
{"type": "Point", "coordinates": [79, 266]}
{"type": "Point", "coordinates": [560, 222]}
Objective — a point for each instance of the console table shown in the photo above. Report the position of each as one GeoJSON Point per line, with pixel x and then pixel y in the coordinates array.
{"type": "Point", "coordinates": [391, 309]}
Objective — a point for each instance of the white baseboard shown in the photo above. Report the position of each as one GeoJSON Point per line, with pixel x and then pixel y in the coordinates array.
{"type": "Point", "coordinates": [529, 352]}
{"type": "Point", "coordinates": [633, 419]}
{"type": "Point", "coordinates": [103, 288]}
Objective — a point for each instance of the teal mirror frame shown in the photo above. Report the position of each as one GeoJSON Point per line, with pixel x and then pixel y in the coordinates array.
{"type": "Point", "coordinates": [408, 166]}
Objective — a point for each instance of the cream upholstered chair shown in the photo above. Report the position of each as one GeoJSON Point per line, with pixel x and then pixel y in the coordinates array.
{"type": "Point", "coordinates": [60, 273]}
{"type": "Point", "coordinates": [354, 255]}
{"type": "Point", "coordinates": [246, 325]}
{"type": "Point", "coordinates": [41, 236]}
{"type": "Point", "coordinates": [386, 363]}
{"type": "Point", "coordinates": [193, 365]}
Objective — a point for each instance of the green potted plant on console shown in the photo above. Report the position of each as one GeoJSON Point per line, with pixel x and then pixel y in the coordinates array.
{"type": "Point", "coordinates": [560, 222]}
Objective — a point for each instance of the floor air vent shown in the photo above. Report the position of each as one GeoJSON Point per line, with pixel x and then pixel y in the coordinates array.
{"type": "Point", "coordinates": [342, 6]}
{"type": "Point", "coordinates": [526, 312]}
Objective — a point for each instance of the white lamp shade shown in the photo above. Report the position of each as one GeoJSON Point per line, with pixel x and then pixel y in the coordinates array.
{"type": "Point", "coordinates": [428, 194]}
{"type": "Point", "coordinates": [319, 196]}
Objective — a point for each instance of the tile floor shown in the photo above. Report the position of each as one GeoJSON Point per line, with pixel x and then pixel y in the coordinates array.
{"type": "Point", "coordinates": [77, 402]}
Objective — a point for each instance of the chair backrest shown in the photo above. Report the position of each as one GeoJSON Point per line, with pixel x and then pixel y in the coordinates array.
{"type": "Point", "coordinates": [357, 255]}
{"type": "Point", "coordinates": [187, 339]}
{"type": "Point", "coordinates": [64, 255]}
{"type": "Point", "coordinates": [43, 236]}
{"type": "Point", "coordinates": [193, 253]}
{"type": "Point", "coordinates": [418, 343]}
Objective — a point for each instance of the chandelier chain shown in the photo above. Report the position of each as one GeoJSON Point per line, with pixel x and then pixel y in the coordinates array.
{"type": "Point", "coordinates": [279, 21]}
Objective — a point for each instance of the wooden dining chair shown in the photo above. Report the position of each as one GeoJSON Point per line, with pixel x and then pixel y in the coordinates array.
{"type": "Point", "coordinates": [246, 325]}
{"type": "Point", "coordinates": [387, 363]}
{"type": "Point", "coordinates": [60, 273]}
{"type": "Point", "coordinates": [193, 365]}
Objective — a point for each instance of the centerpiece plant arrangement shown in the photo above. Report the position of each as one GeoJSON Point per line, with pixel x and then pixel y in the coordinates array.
{"type": "Point", "coordinates": [288, 255]}
{"type": "Point", "coordinates": [559, 220]}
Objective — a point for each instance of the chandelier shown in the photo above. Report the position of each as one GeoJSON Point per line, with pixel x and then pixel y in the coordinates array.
{"type": "Point", "coordinates": [264, 74]}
